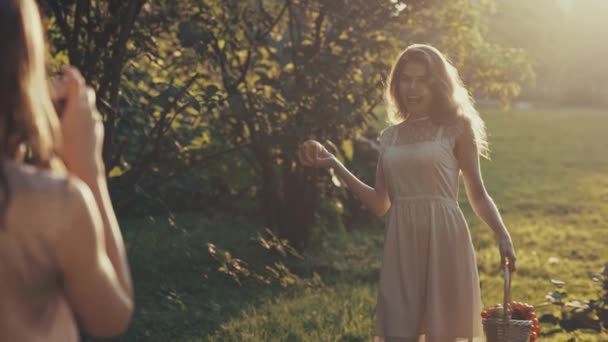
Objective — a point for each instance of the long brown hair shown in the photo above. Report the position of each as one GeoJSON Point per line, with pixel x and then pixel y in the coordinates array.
{"type": "Point", "coordinates": [27, 115]}
{"type": "Point", "coordinates": [450, 97]}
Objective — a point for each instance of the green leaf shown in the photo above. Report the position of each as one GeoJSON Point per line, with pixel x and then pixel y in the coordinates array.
{"type": "Point", "coordinates": [348, 149]}
{"type": "Point", "coordinates": [115, 172]}
{"type": "Point", "coordinates": [556, 296]}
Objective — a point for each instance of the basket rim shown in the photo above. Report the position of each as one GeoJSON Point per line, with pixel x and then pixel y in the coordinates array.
{"type": "Point", "coordinates": [509, 320]}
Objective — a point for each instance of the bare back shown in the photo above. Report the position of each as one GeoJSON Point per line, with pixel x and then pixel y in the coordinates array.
{"type": "Point", "coordinates": [32, 301]}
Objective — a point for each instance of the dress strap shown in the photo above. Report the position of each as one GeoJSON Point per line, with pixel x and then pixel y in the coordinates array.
{"type": "Point", "coordinates": [394, 135]}
{"type": "Point", "coordinates": [439, 133]}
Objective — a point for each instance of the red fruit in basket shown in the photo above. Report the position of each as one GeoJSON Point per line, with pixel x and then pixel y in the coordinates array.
{"type": "Point", "coordinates": [523, 314]}
{"type": "Point", "coordinates": [489, 312]}
{"type": "Point", "coordinates": [533, 336]}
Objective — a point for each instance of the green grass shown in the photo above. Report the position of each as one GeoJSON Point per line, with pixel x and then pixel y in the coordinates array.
{"type": "Point", "coordinates": [548, 176]}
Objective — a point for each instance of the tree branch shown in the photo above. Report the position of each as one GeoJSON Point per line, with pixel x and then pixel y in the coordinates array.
{"type": "Point", "coordinates": [73, 37]}
{"type": "Point", "coordinates": [158, 130]}
{"type": "Point", "coordinates": [274, 21]}
{"type": "Point", "coordinates": [60, 16]}
{"type": "Point", "coordinates": [117, 63]}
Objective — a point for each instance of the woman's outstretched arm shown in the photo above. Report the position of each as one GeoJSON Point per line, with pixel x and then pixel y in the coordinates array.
{"type": "Point", "coordinates": [376, 199]}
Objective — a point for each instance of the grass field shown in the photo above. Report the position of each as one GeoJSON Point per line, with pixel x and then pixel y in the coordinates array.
{"type": "Point", "coordinates": [548, 176]}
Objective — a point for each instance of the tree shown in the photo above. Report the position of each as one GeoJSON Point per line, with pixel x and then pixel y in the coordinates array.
{"type": "Point", "coordinates": [95, 37]}
{"type": "Point", "coordinates": [209, 99]}
{"type": "Point", "coordinates": [290, 70]}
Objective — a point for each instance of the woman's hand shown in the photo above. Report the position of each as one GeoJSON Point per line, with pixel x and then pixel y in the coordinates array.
{"type": "Point", "coordinates": [81, 123]}
{"type": "Point", "coordinates": [507, 253]}
{"type": "Point", "coordinates": [311, 153]}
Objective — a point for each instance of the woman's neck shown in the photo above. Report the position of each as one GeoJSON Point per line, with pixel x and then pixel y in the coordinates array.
{"type": "Point", "coordinates": [417, 115]}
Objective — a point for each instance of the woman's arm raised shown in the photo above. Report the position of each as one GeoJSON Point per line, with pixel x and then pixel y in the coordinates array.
{"type": "Point", "coordinates": [91, 250]}
{"type": "Point", "coordinates": [313, 154]}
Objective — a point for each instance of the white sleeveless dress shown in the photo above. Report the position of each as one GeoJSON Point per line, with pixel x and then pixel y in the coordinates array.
{"type": "Point", "coordinates": [429, 284]}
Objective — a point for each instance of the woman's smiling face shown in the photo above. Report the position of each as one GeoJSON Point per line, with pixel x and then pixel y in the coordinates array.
{"type": "Point", "coordinates": [414, 88]}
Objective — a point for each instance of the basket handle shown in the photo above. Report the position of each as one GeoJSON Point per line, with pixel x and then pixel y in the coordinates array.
{"type": "Point", "coordinates": [507, 291]}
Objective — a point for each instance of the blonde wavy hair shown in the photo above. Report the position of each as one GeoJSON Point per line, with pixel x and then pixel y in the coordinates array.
{"type": "Point", "coordinates": [450, 99]}
{"type": "Point", "coordinates": [27, 115]}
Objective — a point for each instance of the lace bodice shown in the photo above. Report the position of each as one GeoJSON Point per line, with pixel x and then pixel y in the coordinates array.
{"type": "Point", "coordinates": [417, 131]}
{"type": "Point", "coordinates": [418, 158]}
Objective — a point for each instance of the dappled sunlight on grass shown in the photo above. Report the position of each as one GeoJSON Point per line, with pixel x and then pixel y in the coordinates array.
{"type": "Point", "coordinates": [549, 177]}
{"type": "Point", "coordinates": [341, 313]}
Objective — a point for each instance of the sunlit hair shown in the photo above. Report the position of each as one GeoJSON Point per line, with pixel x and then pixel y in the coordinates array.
{"type": "Point", "coordinates": [27, 115]}
{"type": "Point", "coordinates": [450, 99]}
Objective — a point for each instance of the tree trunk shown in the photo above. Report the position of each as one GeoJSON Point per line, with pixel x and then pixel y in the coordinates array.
{"type": "Point", "coordinates": [298, 215]}
{"type": "Point", "coordinates": [269, 200]}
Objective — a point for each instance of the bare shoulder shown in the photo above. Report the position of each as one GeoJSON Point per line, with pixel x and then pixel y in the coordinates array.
{"type": "Point", "coordinates": [31, 180]}
{"type": "Point", "coordinates": [51, 195]}
{"type": "Point", "coordinates": [455, 127]}
{"type": "Point", "coordinates": [459, 123]}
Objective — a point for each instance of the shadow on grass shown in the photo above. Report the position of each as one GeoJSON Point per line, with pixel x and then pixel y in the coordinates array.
{"type": "Point", "coordinates": [181, 295]}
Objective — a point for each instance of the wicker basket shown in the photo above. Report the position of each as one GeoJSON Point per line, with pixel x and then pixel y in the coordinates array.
{"type": "Point", "coordinates": [506, 329]}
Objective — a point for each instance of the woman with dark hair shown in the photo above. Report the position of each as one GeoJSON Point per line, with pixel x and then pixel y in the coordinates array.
{"type": "Point", "coordinates": [62, 256]}
{"type": "Point", "coordinates": [429, 284]}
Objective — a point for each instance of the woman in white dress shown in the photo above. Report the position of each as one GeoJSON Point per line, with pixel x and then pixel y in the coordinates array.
{"type": "Point", "coordinates": [429, 284]}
